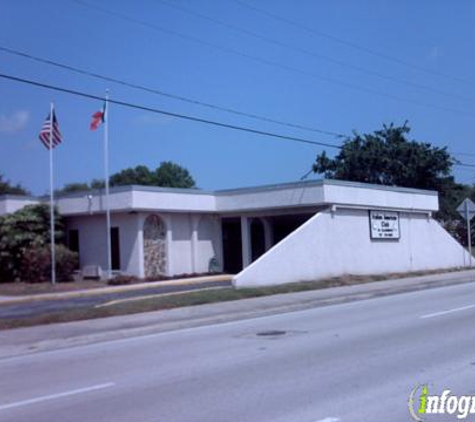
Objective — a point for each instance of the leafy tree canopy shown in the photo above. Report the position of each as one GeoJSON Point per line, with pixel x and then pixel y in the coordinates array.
{"type": "Point", "coordinates": [387, 157]}
{"type": "Point", "coordinates": [74, 187]}
{"type": "Point", "coordinates": [171, 175]}
{"type": "Point", "coordinates": [97, 183]}
{"type": "Point", "coordinates": [140, 175]}
{"type": "Point", "coordinates": [7, 188]}
{"type": "Point", "coordinates": [167, 174]}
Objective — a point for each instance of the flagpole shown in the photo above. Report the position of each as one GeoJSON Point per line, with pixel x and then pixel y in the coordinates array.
{"type": "Point", "coordinates": [106, 178]}
{"type": "Point", "coordinates": [51, 197]}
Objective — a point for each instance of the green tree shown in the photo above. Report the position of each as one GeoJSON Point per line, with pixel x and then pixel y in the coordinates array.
{"type": "Point", "coordinates": [167, 174]}
{"type": "Point", "coordinates": [73, 187]}
{"type": "Point", "coordinates": [7, 188]}
{"type": "Point", "coordinates": [81, 186]}
{"type": "Point", "coordinates": [97, 184]}
{"type": "Point", "coordinates": [140, 175]}
{"type": "Point", "coordinates": [387, 157]}
{"type": "Point", "coordinates": [172, 175]}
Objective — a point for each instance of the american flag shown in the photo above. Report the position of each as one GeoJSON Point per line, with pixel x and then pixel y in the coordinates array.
{"type": "Point", "coordinates": [45, 132]}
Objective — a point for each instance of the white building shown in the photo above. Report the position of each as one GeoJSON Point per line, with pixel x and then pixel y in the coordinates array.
{"type": "Point", "coordinates": [265, 235]}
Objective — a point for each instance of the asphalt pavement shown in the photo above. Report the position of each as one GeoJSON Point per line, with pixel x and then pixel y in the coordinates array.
{"type": "Point", "coordinates": [38, 306]}
{"type": "Point", "coordinates": [356, 361]}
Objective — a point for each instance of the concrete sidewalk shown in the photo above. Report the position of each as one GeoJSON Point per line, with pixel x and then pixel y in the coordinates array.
{"type": "Point", "coordinates": [51, 337]}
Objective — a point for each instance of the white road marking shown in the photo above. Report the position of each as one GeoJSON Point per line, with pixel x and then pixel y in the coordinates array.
{"type": "Point", "coordinates": [212, 325]}
{"type": "Point", "coordinates": [450, 311]}
{"type": "Point", "coordinates": [157, 295]}
{"type": "Point", "coordinates": [55, 396]}
{"type": "Point", "coordinates": [330, 419]}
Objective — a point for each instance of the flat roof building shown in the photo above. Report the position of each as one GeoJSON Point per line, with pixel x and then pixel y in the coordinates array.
{"type": "Point", "coordinates": [265, 235]}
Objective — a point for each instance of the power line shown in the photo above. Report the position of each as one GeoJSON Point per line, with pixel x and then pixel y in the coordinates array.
{"type": "Point", "coordinates": [169, 113]}
{"type": "Point", "coordinates": [308, 173]}
{"type": "Point", "coordinates": [165, 94]}
{"type": "Point", "coordinates": [313, 53]}
{"type": "Point", "coordinates": [467, 154]}
{"type": "Point", "coordinates": [177, 97]}
{"type": "Point", "coordinates": [350, 43]}
{"type": "Point", "coordinates": [270, 62]}
{"type": "Point", "coordinates": [183, 116]}
{"type": "Point", "coordinates": [461, 164]}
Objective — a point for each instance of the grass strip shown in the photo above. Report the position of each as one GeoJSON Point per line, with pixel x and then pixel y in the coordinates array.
{"type": "Point", "coordinates": [193, 298]}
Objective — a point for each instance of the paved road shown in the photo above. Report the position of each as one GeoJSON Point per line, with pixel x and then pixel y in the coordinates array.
{"type": "Point", "coordinates": [48, 306]}
{"type": "Point", "coordinates": [350, 362]}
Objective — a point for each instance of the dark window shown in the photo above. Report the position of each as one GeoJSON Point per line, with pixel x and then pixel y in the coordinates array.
{"type": "Point", "coordinates": [232, 245]}
{"type": "Point", "coordinates": [258, 241]}
{"type": "Point", "coordinates": [115, 248]}
{"type": "Point", "coordinates": [283, 225]}
{"type": "Point", "coordinates": [73, 242]}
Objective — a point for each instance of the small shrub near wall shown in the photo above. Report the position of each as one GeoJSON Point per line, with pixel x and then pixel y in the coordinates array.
{"type": "Point", "coordinates": [24, 240]}
{"type": "Point", "coordinates": [121, 280]}
{"type": "Point", "coordinates": [35, 265]}
{"type": "Point", "coordinates": [66, 263]}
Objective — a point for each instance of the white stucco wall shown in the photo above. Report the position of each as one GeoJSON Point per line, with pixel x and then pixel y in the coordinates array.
{"type": "Point", "coordinates": [186, 252]}
{"type": "Point", "coordinates": [180, 254]}
{"type": "Point", "coordinates": [11, 203]}
{"type": "Point", "coordinates": [254, 199]}
{"type": "Point", "coordinates": [332, 245]}
{"type": "Point", "coordinates": [209, 244]}
{"type": "Point", "coordinates": [388, 197]}
{"type": "Point", "coordinates": [325, 192]}
{"type": "Point", "coordinates": [94, 202]}
{"type": "Point", "coordinates": [93, 246]}
{"type": "Point", "coordinates": [138, 198]}
{"type": "Point", "coordinates": [182, 200]}
{"type": "Point", "coordinates": [186, 258]}
{"type": "Point", "coordinates": [293, 195]}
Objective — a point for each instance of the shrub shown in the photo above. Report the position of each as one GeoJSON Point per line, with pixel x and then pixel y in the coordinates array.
{"type": "Point", "coordinates": [121, 280]}
{"type": "Point", "coordinates": [35, 266]}
{"type": "Point", "coordinates": [25, 230]}
{"type": "Point", "coordinates": [66, 263]}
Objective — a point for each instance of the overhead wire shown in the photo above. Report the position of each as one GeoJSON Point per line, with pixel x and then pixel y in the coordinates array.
{"type": "Point", "coordinates": [185, 99]}
{"type": "Point", "coordinates": [184, 116]}
{"type": "Point", "coordinates": [163, 93]}
{"type": "Point", "coordinates": [188, 117]}
{"type": "Point", "coordinates": [348, 43]}
{"type": "Point", "coordinates": [168, 113]}
{"type": "Point", "coordinates": [311, 53]}
{"type": "Point", "coordinates": [267, 62]}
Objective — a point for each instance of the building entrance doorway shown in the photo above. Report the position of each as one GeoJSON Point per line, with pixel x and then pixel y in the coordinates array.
{"type": "Point", "coordinates": [232, 245]}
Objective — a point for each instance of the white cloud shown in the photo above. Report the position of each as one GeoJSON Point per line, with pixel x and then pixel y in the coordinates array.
{"type": "Point", "coordinates": [14, 123]}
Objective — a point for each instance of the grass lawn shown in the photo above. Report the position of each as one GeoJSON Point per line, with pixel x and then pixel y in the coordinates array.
{"type": "Point", "coordinates": [176, 300]}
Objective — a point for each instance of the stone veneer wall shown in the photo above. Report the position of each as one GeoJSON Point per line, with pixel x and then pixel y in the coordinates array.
{"type": "Point", "coordinates": [155, 246]}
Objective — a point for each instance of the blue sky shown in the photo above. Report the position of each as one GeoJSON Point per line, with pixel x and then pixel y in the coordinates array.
{"type": "Point", "coordinates": [259, 77]}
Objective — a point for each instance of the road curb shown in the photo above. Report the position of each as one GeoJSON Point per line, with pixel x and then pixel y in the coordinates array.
{"type": "Point", "coordinates": [79, 333]}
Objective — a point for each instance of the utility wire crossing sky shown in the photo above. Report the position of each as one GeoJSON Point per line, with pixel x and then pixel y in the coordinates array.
{"type": "Point", "coordinates": [264, 68]}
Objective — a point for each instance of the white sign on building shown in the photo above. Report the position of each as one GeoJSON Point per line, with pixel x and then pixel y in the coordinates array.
{"type": "Point", "coordinates": [384, 224]}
